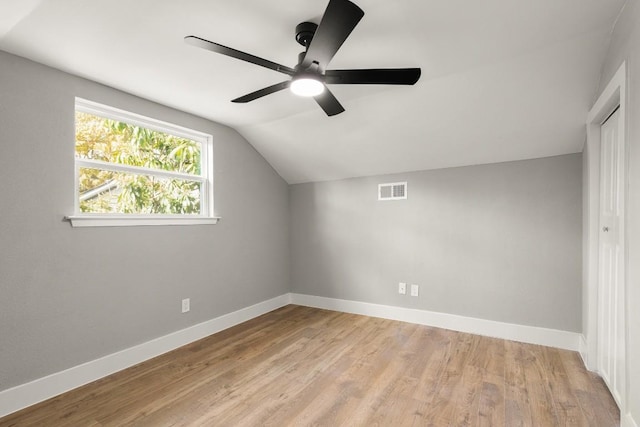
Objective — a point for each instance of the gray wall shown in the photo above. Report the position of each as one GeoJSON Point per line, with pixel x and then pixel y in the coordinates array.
{"type": "Point", "coordinates": [585, 241]}
{"type": "Point", "coordinates": [69, 295]}
{"type": "Point", "coordinates": [499, 242]}
{"type": "Point", "coordinates": [625, 46]}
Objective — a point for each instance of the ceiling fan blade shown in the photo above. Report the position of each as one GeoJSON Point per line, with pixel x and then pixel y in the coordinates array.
{"type": "Point", "coordinates": [383, 76]}
{"type": "Point", "coordinates": [339, 19]}
{"type": "Point", "coordinates": [262, 92]}
{"type": "Point", "coordinates": [329, 103]}
{"type": "Point", "coordinates": [243, 56]}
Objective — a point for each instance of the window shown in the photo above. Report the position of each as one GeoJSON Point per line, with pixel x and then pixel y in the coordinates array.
{"type": "Point", "coordinates": [133, 170]}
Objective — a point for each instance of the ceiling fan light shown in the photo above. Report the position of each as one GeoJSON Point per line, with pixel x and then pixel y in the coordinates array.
{"type": "Point", "coordinates": [306, 86]}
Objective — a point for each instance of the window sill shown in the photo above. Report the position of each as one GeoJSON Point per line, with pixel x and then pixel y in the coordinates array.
{"type": "Point", "coordinates": [128, 221]}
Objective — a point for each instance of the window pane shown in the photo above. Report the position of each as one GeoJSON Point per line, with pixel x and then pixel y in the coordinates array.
{"type": "Point", "coordinates": [99, 138]}
{"type": "Point", "coordinates": [126, 193]}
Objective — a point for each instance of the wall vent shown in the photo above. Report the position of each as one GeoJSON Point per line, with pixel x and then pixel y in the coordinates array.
{"type": "Point", "coordinates": [392, 191]}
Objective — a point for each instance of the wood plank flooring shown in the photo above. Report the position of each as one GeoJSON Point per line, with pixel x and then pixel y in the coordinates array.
{"type": "Point", "coordinates": [300, 366]}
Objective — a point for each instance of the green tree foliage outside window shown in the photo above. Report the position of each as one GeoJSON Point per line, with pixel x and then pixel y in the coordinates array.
{"type": "Point", "coordinates": [107, 191]}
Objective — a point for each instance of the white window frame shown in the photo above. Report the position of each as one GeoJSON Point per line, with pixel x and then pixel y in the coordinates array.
{"type": "Point", "coordinates": [84, 219]}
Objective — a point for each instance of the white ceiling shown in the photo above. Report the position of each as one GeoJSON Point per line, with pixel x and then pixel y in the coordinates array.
{"type": "Point", "coordinates": [501, 79]}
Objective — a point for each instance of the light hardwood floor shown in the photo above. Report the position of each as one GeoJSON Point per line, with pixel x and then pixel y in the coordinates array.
{"type": "Point", "coordinates": [304, 366]}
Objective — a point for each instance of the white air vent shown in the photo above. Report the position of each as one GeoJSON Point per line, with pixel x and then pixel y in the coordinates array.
{"type": "Point", "coordinates": [392, 191]}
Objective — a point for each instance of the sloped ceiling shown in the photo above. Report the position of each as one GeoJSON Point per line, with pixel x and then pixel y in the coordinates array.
{"type": "Point", "coordinates": [501, 79]}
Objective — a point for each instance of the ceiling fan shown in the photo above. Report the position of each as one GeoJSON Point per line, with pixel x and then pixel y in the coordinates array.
{"type": "Point", "coordinates": [310, 76]}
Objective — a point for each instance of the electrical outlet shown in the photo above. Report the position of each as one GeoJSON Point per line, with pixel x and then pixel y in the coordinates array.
{"type": "Point", "coordinates": [414, 290]}
{"type": "Point", "coordinates": [186, 305]}
{"type": "Point", "coordinates": [402, 288]}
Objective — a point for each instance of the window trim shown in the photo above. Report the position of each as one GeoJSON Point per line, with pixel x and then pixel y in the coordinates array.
{"type": "Point", "coordinates": [81, 219]}
{"type": "Point", "coordinates": [100, 220]}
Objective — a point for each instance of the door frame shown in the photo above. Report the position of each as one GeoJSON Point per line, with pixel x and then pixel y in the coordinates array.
{"type": "Point", "coordinates": [613, 95]}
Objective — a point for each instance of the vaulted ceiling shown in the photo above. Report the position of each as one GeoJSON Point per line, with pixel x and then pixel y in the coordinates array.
{"type": "Point", "coordinates": [501, 79]}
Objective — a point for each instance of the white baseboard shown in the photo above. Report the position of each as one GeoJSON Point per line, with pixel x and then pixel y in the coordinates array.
{"type": "Point", "coordinates": [583, 349]}
{"type": "Point", "coordinates": [22, 396]}
{"type": "Point", "coordinates": [528, 334]}
{"type": "Point", "coordinates": [627, 421]}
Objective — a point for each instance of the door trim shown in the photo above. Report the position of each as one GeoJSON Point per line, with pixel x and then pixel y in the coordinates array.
{"type": "Point", "coordinates": [613, 95]}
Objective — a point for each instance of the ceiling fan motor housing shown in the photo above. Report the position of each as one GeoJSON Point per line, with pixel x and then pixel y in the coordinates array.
{"type": "Point", "coordinates": [305, 32]}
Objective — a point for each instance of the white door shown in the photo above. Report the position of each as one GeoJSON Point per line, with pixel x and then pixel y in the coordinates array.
{"type": "Point", "coordinates": [611, 298]}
